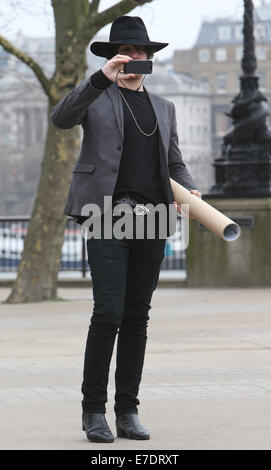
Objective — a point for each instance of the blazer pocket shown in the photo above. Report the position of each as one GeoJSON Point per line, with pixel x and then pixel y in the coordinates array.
{"type": "Point", "coordinates": [84, 167]}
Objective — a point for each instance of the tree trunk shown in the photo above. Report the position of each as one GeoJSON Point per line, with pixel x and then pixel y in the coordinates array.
{"type": "Point", "coordinates": [38, 269]}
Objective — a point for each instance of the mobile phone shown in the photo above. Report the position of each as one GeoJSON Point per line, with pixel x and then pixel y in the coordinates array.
{"type": "Point", "coordinates": [138, 66]}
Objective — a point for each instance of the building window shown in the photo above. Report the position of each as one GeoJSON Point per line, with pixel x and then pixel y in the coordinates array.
{"type": "Point", "coordinates": [221, 54]}
{"type": "Point", "coordinates": [204, 55]}
{"type": "Point", "coordinates": [221, 82]}
{"type": "Point", "coordinates": [261, 53]}
{"type": "Point", "coordinates": [259, 31]}
{"type": "Point", "coordinates": [224, 33]}
{"type": "Point", "coordinates": [238, 53]}
{"type": "Point", "coordinates": [262, 80]}
{"type": "Point", "coordinates": [204, 80]}
{"type": "Point", "coordinates": [191, 131]}
{"type": "Point", "coordinates": [239, 32]}
{"type": "Point", "coordinates": [221, 124]}
{"type": "Point", "coordinates": [6, 134]}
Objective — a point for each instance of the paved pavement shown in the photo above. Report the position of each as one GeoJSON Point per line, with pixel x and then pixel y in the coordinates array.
{"type": "Point", "coordinates": [206, 381]}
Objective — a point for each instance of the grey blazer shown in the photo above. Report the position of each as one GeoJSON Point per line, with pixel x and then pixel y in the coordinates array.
{"type": "Point", "coordinates": [100, 112]}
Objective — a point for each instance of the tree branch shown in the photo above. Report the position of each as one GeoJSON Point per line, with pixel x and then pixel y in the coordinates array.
{"type": "Point", "coordinates": [121, 8]}
{"type": "Point", "coordinates": [94, 5]}
{"type": "Point", "coordinates": [9, 47]}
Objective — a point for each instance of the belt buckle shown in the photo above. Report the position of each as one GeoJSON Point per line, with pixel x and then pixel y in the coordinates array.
{"type": "Point", "coordinates": [140, 209]}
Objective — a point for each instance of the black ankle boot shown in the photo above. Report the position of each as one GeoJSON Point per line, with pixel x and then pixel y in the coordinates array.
{"type": "Point", "coordinates": [128, 425]}
{"type": "Point", "coordinates": [96, 427]}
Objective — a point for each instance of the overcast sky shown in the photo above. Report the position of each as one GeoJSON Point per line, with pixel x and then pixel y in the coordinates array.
{"type": "Point", "coordinates": [174, 21]}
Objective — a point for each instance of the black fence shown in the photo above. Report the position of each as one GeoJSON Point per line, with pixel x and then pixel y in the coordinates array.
{"type": "Point", "coordinates": [74, 256]}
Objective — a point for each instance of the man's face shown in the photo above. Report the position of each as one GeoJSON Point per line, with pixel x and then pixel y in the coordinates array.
{"type": "Point", "coordinates": [136, 52]}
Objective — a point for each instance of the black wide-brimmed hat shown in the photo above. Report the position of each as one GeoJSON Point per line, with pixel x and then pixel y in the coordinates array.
{"type": "Point", "coordinates": [126, 30]}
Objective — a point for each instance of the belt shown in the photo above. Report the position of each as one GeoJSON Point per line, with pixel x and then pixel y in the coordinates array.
{"type": "Point", "coordinates": [138, 208]}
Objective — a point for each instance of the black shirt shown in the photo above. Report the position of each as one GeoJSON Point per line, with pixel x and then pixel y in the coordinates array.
{"type": "Point", "coordinates": [139, 172]}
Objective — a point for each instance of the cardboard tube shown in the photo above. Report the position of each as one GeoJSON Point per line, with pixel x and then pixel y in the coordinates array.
{"type": "Point", "coordinates": [204, 213]}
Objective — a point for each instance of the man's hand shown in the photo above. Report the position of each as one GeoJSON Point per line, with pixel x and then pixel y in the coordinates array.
{"type": "Point", "coordinates": [193, 191]}
{"type": "Point", "coordinates": [114, 65]}
{"type": "Point", "coordinates": [196, 192]}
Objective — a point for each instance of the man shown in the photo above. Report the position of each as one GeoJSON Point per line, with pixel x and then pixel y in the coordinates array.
{"type": "Point", "coordinates": [129, 150]}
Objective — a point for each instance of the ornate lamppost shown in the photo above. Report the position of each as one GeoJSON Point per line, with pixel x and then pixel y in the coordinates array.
{"type": "Point", "coordinates": [244, 168]}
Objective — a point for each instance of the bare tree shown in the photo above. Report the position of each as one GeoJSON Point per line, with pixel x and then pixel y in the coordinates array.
{"type": "Point", "coordinates": [76, 22]}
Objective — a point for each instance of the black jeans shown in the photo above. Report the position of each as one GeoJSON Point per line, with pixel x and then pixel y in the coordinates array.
{"type": "Point", "coordinates": [124, 275]}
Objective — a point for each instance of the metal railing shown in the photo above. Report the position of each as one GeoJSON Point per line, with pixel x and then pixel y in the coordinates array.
{"type": "Point", "coordinates": [13, 231]}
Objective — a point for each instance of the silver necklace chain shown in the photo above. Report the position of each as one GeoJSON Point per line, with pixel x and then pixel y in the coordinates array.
{"type": "Point", "coordinates": [147, 135]}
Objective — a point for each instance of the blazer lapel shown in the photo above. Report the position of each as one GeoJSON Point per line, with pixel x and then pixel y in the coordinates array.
{"type": "Point", "coordinates": [159, 113]}
{"type": "Point", "coordinates": [114, 94]}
